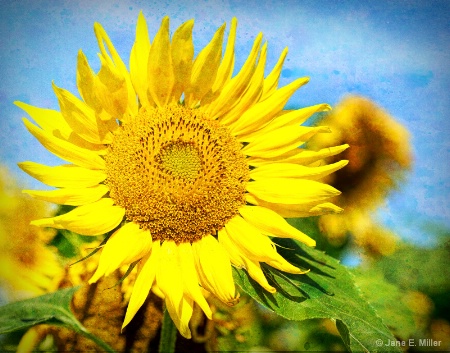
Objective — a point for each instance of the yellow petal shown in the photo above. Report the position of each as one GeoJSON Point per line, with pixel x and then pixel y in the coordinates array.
{"type": "Point", "coordinates": [144, 281]}
{"type": "Point", "coordinates": [249, 240]}
{"type": "Point", "coordinates": [182, 55]}
{"type": "Point", "coordinates": [169, 280]}
{"type": "Point", "coordinates": [160, 69]}
{"type": "Point", "coordinates": [271, 223]}
{"type": "Point", "coordinates": [214, 268]}
{"type": "Point", "coordinates": [49, 120]}
{"type": "Point", "coordinates": [139, 60]}
{"type": "Point", "coordinates": [307, 209]}
{"type": "Point", "coordinates": [261, 113]}
{"type": "Point", "coordinates": [103, 38]}
{"type": "Point", "coordinates": [298, 156]}
{"type": "Point", "coordinates": [111, 90]}
{"type": "Point", "coordinates": [237, 85]}
{"type": "Point", "coordinates": [289, 170]}
{"type": "Point", "coordinates": [190, 278]}
{"type": "Point", "coordinates": [251, 95]}
{"type": "Point", "coordinates": [291, 191]}
{"type": "Point", "coordinates": [295, 117]}
{"type": "Point", "coordinates": [74, 197]}
{"type": "Point", "coordinates": [181, 315]}
{"type": "Point", "coordinates": [239, 259]}
{"type": "Point", "coordinates": [68, 176]}
{"type": "Point", "coordinates": [236, 257]}
{"type": "Point", "coordinates": [226, 65]}
{"type": "Point", "coordinates": [86, 82]}
{"type": "Point", "coordinates": [92, 219]}
{"type": "Point", "coordinates": [271, 81]}
{"type": "Point", "coordinates": [204, 70]}
{"type": "Point", "coordinates": [278, 142]}
{"type": "Point", "coordinates": [82, 118]}
{"type": "Point", "coordinates": [65, 150]}
{"type": "Point", "coordinates": [127, 245]}
{"type": "Point", "coordinates": [325, 208]}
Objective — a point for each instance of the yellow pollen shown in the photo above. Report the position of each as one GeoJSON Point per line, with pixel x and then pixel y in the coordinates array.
{"type": "Point", "coordinates": [176, 173]}
{"type": "Point", "coordinates": [181, 159]}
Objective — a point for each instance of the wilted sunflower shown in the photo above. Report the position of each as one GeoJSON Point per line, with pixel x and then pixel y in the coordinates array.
{"type": "Point", "coordinates": [190, 168]}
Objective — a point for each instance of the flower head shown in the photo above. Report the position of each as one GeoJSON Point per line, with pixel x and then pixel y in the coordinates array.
{"type": "Point", "coordinates": [188, 168]}
{"type": "Point", "coordinates": [379, 155]}
{"type": "Point", "coordinates": [28, 266]}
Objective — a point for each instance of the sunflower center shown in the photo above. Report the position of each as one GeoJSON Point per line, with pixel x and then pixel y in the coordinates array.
{"type": "Point", "coordinates": [176, 173]}
{"type": "Point", "coordinates": [181, 159]}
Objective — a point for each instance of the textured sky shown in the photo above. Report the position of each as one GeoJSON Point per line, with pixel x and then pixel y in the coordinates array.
{"type": "Point", "coordinates": [394, 52]}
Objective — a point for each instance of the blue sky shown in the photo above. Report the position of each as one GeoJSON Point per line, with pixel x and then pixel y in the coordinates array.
{"type": "Point", "coordinates": [394, 52]}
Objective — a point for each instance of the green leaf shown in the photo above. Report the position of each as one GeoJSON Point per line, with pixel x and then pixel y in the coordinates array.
{"type": "Point", "coordinates": [388, 301]}
{"type": "Point", "coordinates": [52, 309]}
{"type": "Point", "coordinates": [327, 291]}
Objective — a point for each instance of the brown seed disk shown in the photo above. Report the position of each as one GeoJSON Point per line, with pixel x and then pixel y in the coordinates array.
{"type": "Point", "coordinates": [176, 173]}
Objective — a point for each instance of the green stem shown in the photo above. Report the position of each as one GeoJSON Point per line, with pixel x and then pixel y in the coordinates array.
{"type": "Point", "coordinates": [168, 334]}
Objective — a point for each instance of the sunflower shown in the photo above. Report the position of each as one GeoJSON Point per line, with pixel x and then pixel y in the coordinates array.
{"type": "Point", "coordinates": [28, 265]}
{"type": "Point", "coordinates": [379, 157]}
{"type": "Point", "coordinates": [188, 168]}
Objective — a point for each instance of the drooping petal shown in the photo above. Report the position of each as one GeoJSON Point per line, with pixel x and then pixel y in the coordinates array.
{"type": "Point", "coordinates": [139, 60]}
{"type": "Point", "coordinates": [240, 260]}
{"type": "Point", "coordinates": [204, 70]}
{"type": "Point", "coordinates": [182, 55]}
{"type": "Point", "coordinates": [127, 245]}
{"type": "Point", "coordinates": [260, 114]}
{"type": "Point", "coordinates": [160, 68]}
{"type": "Point", "coordinates": [291, 191]}
{"type": "Point", "coordinates": [255, 246]}
{"type": "Point", "coordinates": [289, 170]}
{"type": "Point", "coordinates": [271, 81]}
{"type": "Point", "coordinates": [144, 281]}
{"type": "Point", "coordinates": [190, 278]}
{"type": "Point", "coordinates": [281, 141]}
{"type": "Point", "coordinates": [214, 268]}
{"type": "Point", "coordinates": [81, 118]}
{"type": "Point", "coordinates": [74, 197]}
{"type": "Point", "coordinates": [68, 176]}
{"type": "Point", "coordinates": [272, 224]}
{"type": "Point", "coordinates": [65, 150]}
{"type": "Point", "coordinates": [92, 219]}
{"type": "Point", "coordinates": [169, 280]}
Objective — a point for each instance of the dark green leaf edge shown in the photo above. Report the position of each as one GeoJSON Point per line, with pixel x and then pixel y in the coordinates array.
{"type": "Point", "coordinates": [52, 309]}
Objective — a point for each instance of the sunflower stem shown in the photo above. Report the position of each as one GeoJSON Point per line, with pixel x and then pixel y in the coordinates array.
{"type": "Point", "coordinates": [168, 334]}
